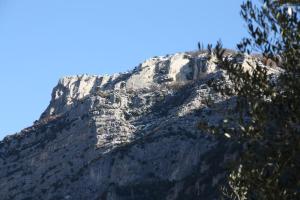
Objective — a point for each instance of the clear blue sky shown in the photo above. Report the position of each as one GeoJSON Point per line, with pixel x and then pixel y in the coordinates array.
{"type": "Point", "coordinates": [43, 40]}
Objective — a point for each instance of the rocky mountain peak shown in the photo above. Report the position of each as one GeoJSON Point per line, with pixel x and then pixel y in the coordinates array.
{"type": "Point", "coordinates": [179, 68]}
{"type": "Point", "coordinates": [134, 135]}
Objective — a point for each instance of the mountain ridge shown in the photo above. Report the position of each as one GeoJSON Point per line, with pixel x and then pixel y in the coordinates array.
{"type": "Point", "coordinates": [133, 135]}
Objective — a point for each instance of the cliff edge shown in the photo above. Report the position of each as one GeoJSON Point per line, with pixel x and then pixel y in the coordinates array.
{"type": "Point", "coordinates": [134, 135]}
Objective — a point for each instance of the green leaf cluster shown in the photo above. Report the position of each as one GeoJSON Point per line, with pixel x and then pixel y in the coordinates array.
{"type": "Point", "coordinates": [269, 165]}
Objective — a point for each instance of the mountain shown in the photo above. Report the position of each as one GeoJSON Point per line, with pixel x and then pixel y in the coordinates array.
{"type": "Point", "coordinates": [137, 135]}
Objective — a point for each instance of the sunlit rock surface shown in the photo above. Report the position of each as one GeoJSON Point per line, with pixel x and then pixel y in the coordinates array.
{"type": "Point", "coordinates": [130, 136]}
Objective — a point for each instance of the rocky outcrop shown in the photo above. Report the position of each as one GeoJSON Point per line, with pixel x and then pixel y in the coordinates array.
{"type": "Point", "coordinates": [128, 136]}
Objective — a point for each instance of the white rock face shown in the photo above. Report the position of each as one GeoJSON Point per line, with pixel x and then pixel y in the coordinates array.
{"type": "Point", "coordinates": [134, 135]}
{"type": "Point", "coordinates": [179, 68]}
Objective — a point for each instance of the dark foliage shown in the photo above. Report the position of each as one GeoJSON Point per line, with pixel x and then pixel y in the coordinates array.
{"type": "Point", "coordinates": [269, 107]}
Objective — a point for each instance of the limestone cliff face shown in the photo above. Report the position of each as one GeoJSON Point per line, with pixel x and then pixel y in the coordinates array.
{"type": "Point", "coordinates": [127, 136]}
{"type": "Point", "coordinates": [172, 69]}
